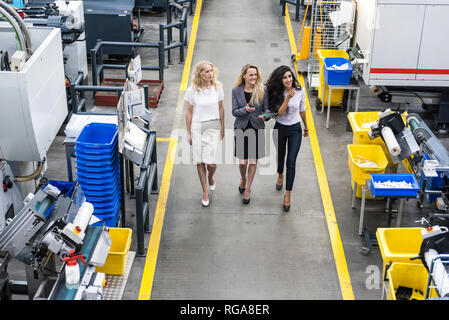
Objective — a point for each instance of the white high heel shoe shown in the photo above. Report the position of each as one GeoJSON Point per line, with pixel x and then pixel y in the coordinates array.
{"type": "Point", "coordinates": [205, 203]}
{"type": "Point", "coordinates": [212, 186]}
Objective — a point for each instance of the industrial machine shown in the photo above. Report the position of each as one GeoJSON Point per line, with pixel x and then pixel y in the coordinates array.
{"type": "Point", "coordinates": [422, 153]}
{"type": "Point", "coordinates": [33, 98]}
{"type": "Point", "coordinates": [150, 4]}
{"type": "Point", "coordinates": [399, 53]}
{"type": "Point", "coordinates": [33, 95]}
{"type": "Point", "coordinates": [50, 230]}
{"type": "Point", "coordinates": [16, 3]}
{"type": "Point", "coordinates": [106, 20]}
{"type": "Point", "coordinates": [68, 16]}
{"type": "Point", "coordinates": [434, 255]}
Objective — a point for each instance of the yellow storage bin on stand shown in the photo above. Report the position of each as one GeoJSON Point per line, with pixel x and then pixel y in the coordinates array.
{"type": "Point", "coordinates": [118, 254]}
{"type": "Point", "coordinates": [361, 124]}
{"type": "Point", "coordinates": [399, 245]}
{"type": "Point", "coordinates": [359, 154]}
{"type": "Point", "coordinates": [413, 278]}
{"type": "Point", "coordinates": [337, 94]}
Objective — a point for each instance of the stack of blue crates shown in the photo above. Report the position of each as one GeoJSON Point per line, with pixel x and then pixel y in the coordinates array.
{"type": "Point", "coordinates": [98, 170]}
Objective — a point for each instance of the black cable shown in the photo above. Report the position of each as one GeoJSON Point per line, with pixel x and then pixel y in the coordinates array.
{"type": "Point", "coordinates": [5, 66]}
{"type": "Point", "coordinates": [423, 103]}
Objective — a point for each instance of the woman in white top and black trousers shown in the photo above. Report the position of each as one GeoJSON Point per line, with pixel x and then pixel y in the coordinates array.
{"type": "Point", "coordinates": [287, 98]}
{"type": "Point", "coordinates": [205, 122]}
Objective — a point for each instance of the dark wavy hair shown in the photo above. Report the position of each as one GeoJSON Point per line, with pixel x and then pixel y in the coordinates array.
{"type": "Point", "coordinates": [276, 89]}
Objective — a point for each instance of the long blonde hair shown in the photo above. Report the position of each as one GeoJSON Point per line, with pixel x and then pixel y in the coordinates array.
{"type": "Point", "coordinates": [197, 79]}
{"type": "Point", "coordinates": [258, 90]}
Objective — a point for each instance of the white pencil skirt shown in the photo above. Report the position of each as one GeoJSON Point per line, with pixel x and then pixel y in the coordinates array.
{"type": "Point", "coordinates": [205, 141]}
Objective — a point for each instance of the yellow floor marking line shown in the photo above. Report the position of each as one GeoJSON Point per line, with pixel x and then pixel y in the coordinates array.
{"type": "Point", "coordinates": [165, 139]}
{"type": "Point", "coordinates": [334, 233]}
{"type": "Point", "coordinates": [153, 247]}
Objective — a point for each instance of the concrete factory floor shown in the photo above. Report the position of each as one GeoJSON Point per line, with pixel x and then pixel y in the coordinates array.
{"type": "Point", "coordinates": [234, 251]}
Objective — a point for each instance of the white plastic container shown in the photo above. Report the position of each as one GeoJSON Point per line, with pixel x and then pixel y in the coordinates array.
{"type": "Point", "coordinates": [72, 269]}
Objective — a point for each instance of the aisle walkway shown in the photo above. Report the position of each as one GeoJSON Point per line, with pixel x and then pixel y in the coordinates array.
{"type": "Point", "coordinates": [229, 250]}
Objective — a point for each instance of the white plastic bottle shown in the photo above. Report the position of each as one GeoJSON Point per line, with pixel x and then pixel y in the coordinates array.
{"type": "Point", "coordinates": [72, 270]}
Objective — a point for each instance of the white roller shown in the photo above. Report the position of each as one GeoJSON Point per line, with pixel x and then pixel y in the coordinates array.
{"type": "Point", "coordinates": [440, 276]}
{"type": "Point", "coordinates": [83, 216]}
{"type": "Point", "coordinates": [390, 141]}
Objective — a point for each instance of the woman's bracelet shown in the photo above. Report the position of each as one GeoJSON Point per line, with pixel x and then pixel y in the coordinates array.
{"type": "Point", "coordinates": [306, 129]}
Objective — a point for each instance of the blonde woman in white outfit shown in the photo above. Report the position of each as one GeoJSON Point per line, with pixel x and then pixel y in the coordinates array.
{"type": "Point", "coordinates": [205, 122]}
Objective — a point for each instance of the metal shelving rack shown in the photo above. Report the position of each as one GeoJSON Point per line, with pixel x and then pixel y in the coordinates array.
{"type": "Point", "coordinates": [323, 35]}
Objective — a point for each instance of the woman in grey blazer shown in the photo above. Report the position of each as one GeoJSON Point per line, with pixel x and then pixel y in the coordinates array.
{"type": "Point", "coordinates": [249, 101]}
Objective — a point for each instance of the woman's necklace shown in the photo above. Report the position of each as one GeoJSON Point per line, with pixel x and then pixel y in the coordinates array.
{"type": "Point", "coordinates": [207, 91]}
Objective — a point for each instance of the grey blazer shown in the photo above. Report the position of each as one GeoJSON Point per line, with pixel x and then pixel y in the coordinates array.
{"type": "Point", "coordinates": [241, 115]}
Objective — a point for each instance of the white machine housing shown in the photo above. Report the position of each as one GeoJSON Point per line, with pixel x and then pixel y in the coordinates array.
{"type": "Point", "coordinates": [33, 102]}
{"type": "Point", "coordinates": [75, 52]}
{"type": "Point", "coordinates": [404, 42]}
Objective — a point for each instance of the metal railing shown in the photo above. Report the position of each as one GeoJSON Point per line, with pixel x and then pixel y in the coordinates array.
{"type": "Point", "coordinates": [147, 183]}
{"type": "Point", "coordinates": [99, 66]}
{"type": "Point", "coordinates": [296, 3]}
{"type": "Point", "coordinates": [191, 5]}
{"type": "Point", "coordinates": [78, 86]}
{"type": "Point", "coordinates": [181, 25]}
{"type": "Point", "coordinates": [323, 35]}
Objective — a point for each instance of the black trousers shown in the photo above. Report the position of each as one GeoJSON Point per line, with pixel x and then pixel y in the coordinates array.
{"type": "Point", "coordinates": [249, 143]}
{"type": "Point", "coordinates": [287, 140]}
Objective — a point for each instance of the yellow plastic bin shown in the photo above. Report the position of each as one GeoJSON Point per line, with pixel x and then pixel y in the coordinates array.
{"type": "Point", "coordinates": [337, 94]}
{"type": "Point", "coordinates": [399, 245]}
{"type": "Point", "coordinates": [408, 275]}
{"type": "Point", "coordinates": [118, 254]}
{"type": "Point", "coordinates": [361, 124]}
{"type": "Point", "coordinates": [358, 153]}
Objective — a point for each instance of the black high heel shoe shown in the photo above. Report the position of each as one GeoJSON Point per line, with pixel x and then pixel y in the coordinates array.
{"type": "Point", "coordinates": [246, 201]}
{"type": "Point", "coordinates": [285, 207]}
{"type": "Point", "coordinates": [279, 186]}
{"type": "Point", "coordinates": [241, 190]}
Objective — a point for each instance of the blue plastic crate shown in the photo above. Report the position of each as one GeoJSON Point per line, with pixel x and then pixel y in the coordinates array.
{"type": "Point", "coordinates": [94, 151]}
{"type": "Point", "coordinates": [94, 158]}
{"type": "Point", "coordinates": [99, 156]}
{"type": "Point", "coordinates": [97, 170]}
{"type": "Point", "coordinates": [105, 181]}
{"type": "Point", "coordinates": [97, 164]}
{"type": "Point", "coordinates": [337, 77]}
{"type": "Point", "coordinates": [106, 204]}
{"type": "Point", "coordinates": [391, 192]}
{"type": "Point", "coordinates": [66, 188]}
{"type": "Point", "coordinates": [107, 193]}
{"type": "Point", "coordinates": [109, 220]}
{"type": "Point", "coordinates": [98, 175]}
{"type": "Point", "coordinates": [114, 172]}
{"type": "Point", "coordinates": [97, 135]}
{"type": "Point", "coordinates": [104, 200]}
{"type": "Point", "coordinates": [112, 208]}
{"type": "Point", "coordinates": [89, 187]}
